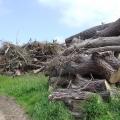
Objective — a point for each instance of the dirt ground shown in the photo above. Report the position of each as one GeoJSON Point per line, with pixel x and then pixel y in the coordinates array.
{"type": "Point", "coordinates": [9, 110]}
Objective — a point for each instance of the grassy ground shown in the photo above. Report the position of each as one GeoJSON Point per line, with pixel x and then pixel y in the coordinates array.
{"type": "Point", "coordinates": [96, 109]}
{"type": "Point", "coordinates": [31, 92]}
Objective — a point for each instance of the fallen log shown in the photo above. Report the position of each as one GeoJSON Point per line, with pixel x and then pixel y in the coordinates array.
{"type": "Point", "coordinates": [112, 30]}
{"type": "Point", "coordinates": [93, 43]}
{"type": "Point", "coordinates": [70, 94]}
{"type": "Point", "coordinates": [111, 75]}
{"type": "Point", "coordinates": [96, 86]}
{"type": "Point", "coordinates": [89, 33]}
{"type": "Point", "coordinates": [71, 66]}
{"type": "Point", "coordinates": [103, 49]}
{"type": "Point", "coordinates": [110, 58]}
{"type": "Point", "coordinates": [80, 64]}
{"type": "Point", "coordinates": [73, 98]}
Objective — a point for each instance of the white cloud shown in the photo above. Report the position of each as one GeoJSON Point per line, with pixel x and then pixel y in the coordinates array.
{"type": "Point", "coordinates": [76, 13]}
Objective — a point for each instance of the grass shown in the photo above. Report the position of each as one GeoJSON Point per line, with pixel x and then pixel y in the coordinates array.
{"type": "Point", "coordinates": [31, 92]}
{"type": "Point", "coordinates": [96, 109]}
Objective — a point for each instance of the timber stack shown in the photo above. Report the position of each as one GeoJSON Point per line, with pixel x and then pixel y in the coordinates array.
{"type": "Point", "coordinates": [89, 65]}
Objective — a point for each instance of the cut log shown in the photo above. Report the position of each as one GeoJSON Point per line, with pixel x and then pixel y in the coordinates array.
{"type": "Point", "coordinates": [93, 43]}
{"type": "Point", "coordinates": [112, 30]}
{"type": "Point", "coordinates": [105, 30]}
{"type": "Point", "coordinates": [71, 97]}
{"type": "Point", "coordinates": [103, 49]}
{"type": "Point", "coordinates": [80, 64]}
{"type": "Point", "coordinates": [70, 94]}
{"type": "Point", "coordinates": [71, 68]}
{"type": "Point", "coordinates": [76, 99]}
{"type": "Point", "coordinates": [97, 86]}
{"type": "Point", "coordinates": [110, 58]}
{"type": "Point", "coordinates": [89, 33]}
{"type": "Point", "coordinates": [112, 75]}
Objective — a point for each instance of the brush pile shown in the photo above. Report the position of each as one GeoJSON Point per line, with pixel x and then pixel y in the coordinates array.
{"type": "Point", "coordinates": [31, 56]}
{"type": "Point", "coordinates": [89, 65]}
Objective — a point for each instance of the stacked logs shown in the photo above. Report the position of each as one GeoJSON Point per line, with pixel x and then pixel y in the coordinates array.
{"type": "Point", "coordinates": [104, 30]}
{"type": "Point", "coordinates": [84, 69]}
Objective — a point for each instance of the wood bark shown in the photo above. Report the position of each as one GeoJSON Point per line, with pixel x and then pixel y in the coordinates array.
{"type": "Point", "coordinates": [94, 43]}
{"type": "Point", "coordinates": [89, 33]}
{"type": "Point", "coordinates": [96, 86]}
{"type": "Point", "coordinates": [112, 75]}
{"type": "Point", "coordinates": [102, 49]}
{"type": "Point", "coordinates": [82, 65]}
{"type": "Point", "coordinates": [112, 30]}
{"type": "Point", "coordinates": [70, 94]}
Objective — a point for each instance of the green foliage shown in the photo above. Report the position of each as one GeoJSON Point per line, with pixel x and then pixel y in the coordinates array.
{"type": "Point", "coordinates": [31, 91]}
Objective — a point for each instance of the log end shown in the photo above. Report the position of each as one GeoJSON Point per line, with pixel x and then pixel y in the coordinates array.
{"type": "Point", "coordinates": [115, 77]}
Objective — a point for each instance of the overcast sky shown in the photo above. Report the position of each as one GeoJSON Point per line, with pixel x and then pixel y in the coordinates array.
{"type": "Point", "coordinates": [48, 19]}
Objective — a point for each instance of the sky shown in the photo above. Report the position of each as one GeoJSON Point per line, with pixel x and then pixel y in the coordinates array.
{"type": "Point", "coordinates": [45, 20]}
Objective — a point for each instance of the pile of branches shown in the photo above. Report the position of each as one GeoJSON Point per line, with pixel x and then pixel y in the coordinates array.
{"type": "Point", "coordinates": [16, 59]}
{"type": "Point", "coordinates": [90, 65]}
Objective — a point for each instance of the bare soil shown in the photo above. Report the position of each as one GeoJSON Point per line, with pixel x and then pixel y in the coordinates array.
{"type": "Point", "coordinates": [10, 110]}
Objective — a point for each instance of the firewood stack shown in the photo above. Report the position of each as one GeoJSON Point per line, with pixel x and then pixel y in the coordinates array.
{"type": "Point", "coordinates": [89, 65]}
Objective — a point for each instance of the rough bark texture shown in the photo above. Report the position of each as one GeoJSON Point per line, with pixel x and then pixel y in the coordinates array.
{"type": "Point", "coordinates": [89, 33]}
{"type": "Point", "coordinates": [79, 64]}
{"type": "Point", "coordinates": [111, 75]}
{"type": "Point", "coordinates": [93, 43]}
{"type": "Point", "coordinates": [103, 49]}
{"type": "Point", "coordinates": [112, 30]}
{"type": "Point", "coordinates": [97, 86]}
{"type": "Point", "coordinates": [89, 66]}
{"type": "Point", "coordinates": [104, 30]}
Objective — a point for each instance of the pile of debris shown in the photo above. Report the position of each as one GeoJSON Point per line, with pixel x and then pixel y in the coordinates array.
{"type": "Point", "coordinates": [90, 65]}
{"type": "Point", "coordinates": [15, 60]}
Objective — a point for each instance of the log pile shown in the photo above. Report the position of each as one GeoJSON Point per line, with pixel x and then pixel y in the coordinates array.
{"type": "Point", "coordinates": [90, 65]}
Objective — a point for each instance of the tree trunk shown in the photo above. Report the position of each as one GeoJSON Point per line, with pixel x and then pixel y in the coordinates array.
{"type": "Point", "coordinates": [65, 94]}
{"type": "Point", "coordinates": [112, 30]}
{"type": "Point", "coordinates": [103, 49]}
{"type": "Point", "coordinates": [93, 43]}
{"type": "Point", "coordinates": [96, 86]}
{"type": "Point", "coordinates": [112, 75]}
{"type": "Point", "coordinates": [80, 64]}
{"type": "Point", "coordinates": [89, 33]}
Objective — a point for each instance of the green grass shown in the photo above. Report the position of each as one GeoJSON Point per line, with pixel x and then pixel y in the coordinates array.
{"type": "Point", "coordinates": [96, 109]}
{"type": "Point", "coordinates": [31, 92]}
